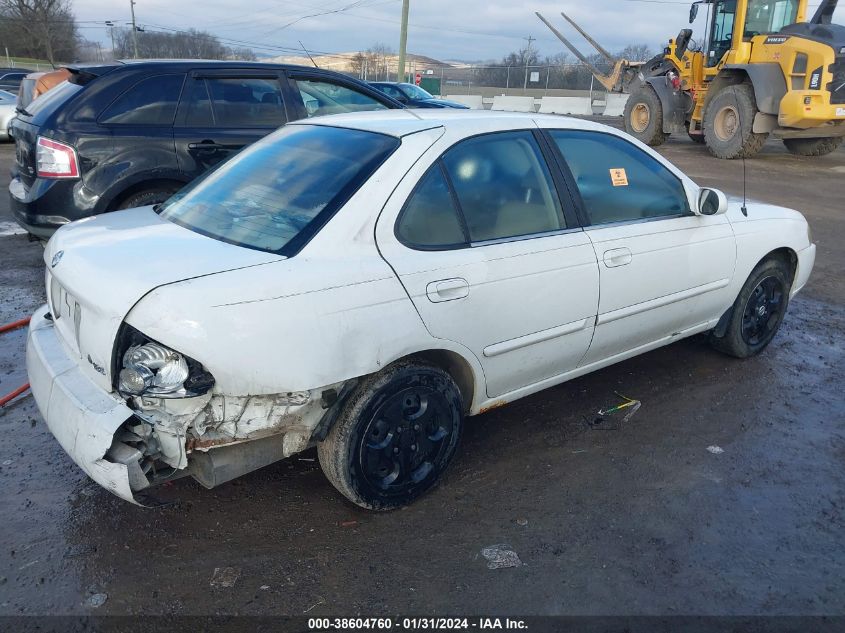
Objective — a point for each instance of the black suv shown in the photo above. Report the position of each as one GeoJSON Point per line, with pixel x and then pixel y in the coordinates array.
{"type": "Point", "coordinates": [130, 134]}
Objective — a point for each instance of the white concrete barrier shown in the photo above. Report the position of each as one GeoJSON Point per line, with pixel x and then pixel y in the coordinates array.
{"type": "Point", "coordinates": [508, 103]}
{"type": "Point", "coordinates": [615, 105]}
{"type": "Point", "coordinates": [473, 101]}
{"type": "Point", "coordinates": [566, 105]}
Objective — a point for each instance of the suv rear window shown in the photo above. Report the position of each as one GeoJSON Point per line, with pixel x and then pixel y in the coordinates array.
{"type": "Point", "coordinates": [151, 101]}
{"type": "Point", "coordinates": [278, 192]}
{"type": "Point", "coordinates": [52, 100]}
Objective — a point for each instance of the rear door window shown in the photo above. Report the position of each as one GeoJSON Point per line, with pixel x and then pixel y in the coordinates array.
{"type": "Point", "coordinates": [151, 101]}
{"type": "Point", "coordinates": [503, 186]}
{"type": "Point", "coordinates": [245, 102]}
{"type": "Point", "coordinates": [430, 220]}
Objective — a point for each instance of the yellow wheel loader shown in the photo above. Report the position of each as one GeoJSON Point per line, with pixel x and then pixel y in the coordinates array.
{"type": "Point", "coordinates": [760, 70]}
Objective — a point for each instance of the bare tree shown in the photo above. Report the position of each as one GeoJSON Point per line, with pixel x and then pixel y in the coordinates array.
{"type": "Point", "coordinates": [190, 44]}
{"type": "Point", "coordinates": [636, 52]}
{"type": "Point", "coordinates": [43, 28]}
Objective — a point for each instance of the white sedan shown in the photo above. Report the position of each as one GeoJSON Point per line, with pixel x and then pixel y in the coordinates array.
{"type": "Point", "coordinates": [364, 282]}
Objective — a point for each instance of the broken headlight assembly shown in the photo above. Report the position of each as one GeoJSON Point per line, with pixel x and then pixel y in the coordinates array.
{"type": "Point", "coordinates": [144, 367]}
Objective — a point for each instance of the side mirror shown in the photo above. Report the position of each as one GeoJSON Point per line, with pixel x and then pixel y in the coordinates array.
{"type": "Point", "coordinates": [712, 202]}
{"type": "Point", "coordinates": [693, 11]}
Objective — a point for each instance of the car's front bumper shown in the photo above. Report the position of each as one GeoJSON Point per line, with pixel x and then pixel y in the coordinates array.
{"type": "Point", "coordinates": [81, 416]}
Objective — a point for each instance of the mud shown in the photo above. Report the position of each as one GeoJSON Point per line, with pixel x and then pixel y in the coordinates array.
{"type": "Point", "coordinates": [632, 518]}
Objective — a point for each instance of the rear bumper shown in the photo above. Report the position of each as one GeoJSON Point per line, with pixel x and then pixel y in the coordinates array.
{"type": "Point", "coordinates": [46, 205]}
{"type": "Point", "coordinates": [81, 416]}
{"type": "Point", "coordinates": [806, 261]}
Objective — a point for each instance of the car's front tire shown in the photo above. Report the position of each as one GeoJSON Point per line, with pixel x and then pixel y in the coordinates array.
{"type": "Point", "coordinates": [397, 433]}
{"type": "Point", "coordinates": [758, 310]}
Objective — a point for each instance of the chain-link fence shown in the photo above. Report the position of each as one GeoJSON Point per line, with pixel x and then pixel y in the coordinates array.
{"type": "Point", "coordinates": [533, 80]}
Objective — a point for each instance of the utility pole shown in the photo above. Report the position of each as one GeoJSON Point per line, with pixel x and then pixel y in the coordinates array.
{"type": "Point", "coordinates": [527, 58]}
{"type": "Point", "coordinates": [110, 24]}
{"type": "Point", "coordinates": [403, 41]}
{"type": "Point", "coordinates": [134, 29]}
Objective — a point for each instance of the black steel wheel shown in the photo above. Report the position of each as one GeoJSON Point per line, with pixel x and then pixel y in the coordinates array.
{"type": "Point", "coordinates": [762, 310]}
{"type": "Point", "coordinates": [396, 435]}
{"type": "Point", "coordinates": [758, 311]}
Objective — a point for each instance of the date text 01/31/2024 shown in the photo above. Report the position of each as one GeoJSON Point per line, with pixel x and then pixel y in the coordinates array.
{"type": "Point", "coordinates": [414, 624]}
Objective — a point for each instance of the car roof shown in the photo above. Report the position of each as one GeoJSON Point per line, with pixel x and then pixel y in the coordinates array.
{"type": "Point", "coordinates": [410, 121]}
{"type": "Point", "coordinates": [134, 63]}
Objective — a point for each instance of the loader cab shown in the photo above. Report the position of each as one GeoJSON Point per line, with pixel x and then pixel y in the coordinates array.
{"type": "Point", "coordinates": [719, 31]}
{"type": "Point", "coordinates": [757, 17]}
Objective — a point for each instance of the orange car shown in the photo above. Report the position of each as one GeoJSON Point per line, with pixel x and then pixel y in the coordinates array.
{"type": "Point", "coordinates": [35, 84]}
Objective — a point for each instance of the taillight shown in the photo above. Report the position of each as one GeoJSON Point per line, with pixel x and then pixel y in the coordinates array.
{"type": "Point", "coordinates": [55, 160]}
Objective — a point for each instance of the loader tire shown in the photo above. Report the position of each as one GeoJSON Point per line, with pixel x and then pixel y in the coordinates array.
{"type": "Point", "coordinates": [812, 146]}
{"type": "Point", "coordinates": [644, 116]}
{"type": "Point", "coordinates": [728, 123]}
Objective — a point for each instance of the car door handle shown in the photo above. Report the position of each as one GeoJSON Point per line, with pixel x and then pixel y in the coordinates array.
{"type": "Point", "coordinates": [617, 257]}
{"type": "Point", "coordinates": [206, 145]}
{"type": "Point", "coordinates": [447, 290]}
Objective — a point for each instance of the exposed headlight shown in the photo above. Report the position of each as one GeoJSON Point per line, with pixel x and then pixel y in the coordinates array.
{"type": "Point", "coordinates": [150, 368]}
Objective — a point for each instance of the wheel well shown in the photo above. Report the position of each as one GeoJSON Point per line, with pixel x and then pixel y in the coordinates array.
{"type": "Point", "coordinates": [729, 77]}
{"type": "Point", "coordinates": [144, 185]}
{"type": "Point", "coordinates": [784, 254]}
{"type": "Point", "coordinates": [455, 365]}
{"type": "Point", "coordinates": [787, 256]}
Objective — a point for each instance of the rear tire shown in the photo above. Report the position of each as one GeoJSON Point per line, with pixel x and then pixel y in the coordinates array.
{"type": "Point", "coordinates": [644, 116]}
{"type": "Point", "coordinates": [396, 434]}
{"type": "Point", "coordinates": [729, 121]}
{"type": "Point", "coordinates": [812, 146]}
{"type": "Point", "coordinates": [147, 197]}
{"type": "Point", "coordinates": [758, 310]}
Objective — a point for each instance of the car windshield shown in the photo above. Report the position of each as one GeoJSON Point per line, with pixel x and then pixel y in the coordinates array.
{"type": "Point", "coordinates": [415, 92]}
{"type": "Point", "coordinates": [277, 193]}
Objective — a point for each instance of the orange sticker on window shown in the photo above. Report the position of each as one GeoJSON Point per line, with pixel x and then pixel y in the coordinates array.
{"type": "Point", "coordinates": [618, 177]}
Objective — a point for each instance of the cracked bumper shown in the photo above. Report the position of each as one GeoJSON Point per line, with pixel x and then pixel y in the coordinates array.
{"type": "Point", "coordinates": [81, 416]}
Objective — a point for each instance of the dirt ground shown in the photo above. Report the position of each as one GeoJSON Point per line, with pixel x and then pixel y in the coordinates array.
{"type": "Point", "coordinates": [638, 518]}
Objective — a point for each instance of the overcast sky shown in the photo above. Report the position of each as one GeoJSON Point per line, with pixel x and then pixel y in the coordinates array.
{"type": "Point", "coordinates": [444, 29]}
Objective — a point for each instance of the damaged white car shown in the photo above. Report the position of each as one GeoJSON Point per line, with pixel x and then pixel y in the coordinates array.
{"type": "Point", "coordinates": [364, 282]}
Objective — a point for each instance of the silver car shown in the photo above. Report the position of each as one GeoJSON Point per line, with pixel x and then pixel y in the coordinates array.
{"type": "Point", "coordinates": [8, 102]}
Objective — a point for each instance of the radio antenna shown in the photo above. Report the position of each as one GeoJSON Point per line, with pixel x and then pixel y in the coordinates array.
{"type": "Point", "coordinates": [743, 208]}
{"type": "Point", "coordinates": [307, 53]}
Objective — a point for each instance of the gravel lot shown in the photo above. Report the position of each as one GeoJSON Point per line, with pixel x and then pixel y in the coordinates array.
{"type": "Point", "coordinates": [638, 518]}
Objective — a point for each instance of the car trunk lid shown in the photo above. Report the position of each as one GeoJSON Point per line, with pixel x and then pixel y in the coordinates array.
{"type": "Point", "coordinates": [98, 269]}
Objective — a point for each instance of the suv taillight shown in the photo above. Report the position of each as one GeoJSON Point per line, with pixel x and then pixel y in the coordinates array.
{"type": "Point", "coordinates": [55, 160]}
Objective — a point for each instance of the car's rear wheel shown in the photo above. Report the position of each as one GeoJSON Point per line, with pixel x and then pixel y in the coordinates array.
{"type": "Point", "coordinates": [145, 197]}
{"type": "Point", "coordinates": [758, 310]}
{"type": "Point", "coordinates": [397, 433]}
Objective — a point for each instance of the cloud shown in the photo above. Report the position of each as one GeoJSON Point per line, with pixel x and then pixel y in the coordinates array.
{"type": "Point", "coordinates": [443, 29]}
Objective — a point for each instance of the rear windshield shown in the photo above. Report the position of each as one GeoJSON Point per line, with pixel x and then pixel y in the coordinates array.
{"type": "Point", "coordinates": [275, 195]}
{"type": "Point", "coordinates": [47, 103]}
